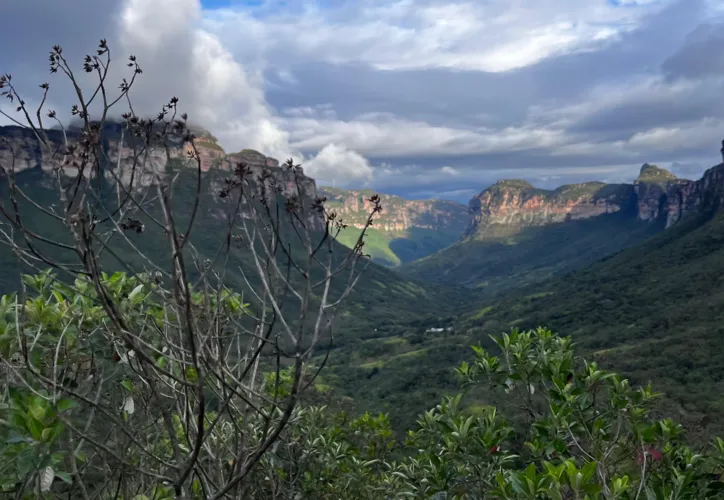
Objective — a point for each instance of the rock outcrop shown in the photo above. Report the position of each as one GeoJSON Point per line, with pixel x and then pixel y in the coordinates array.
{"type": "Point", "coordinates": [660, 194]}
{"type": "Point", "coordinates": [508, 206]}
{"type": "Point", "coordinates": [23, 152]}
{"type": "Point", "coordinates": [398, 215]}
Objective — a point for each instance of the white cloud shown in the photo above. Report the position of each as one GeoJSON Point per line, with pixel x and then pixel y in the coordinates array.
{"type": "Point", "coordinates": [339, 166]}
{"type": "Point", "coordinates": [634, 2]}
{"type": "Point", "coordinates": [700, 134]}
{"type": "Point", "coordinates": [215, 89]}
{"type": "Point", "coordinates": [487, 35]}
{"type": "Point", "coordinates": [395, 137]}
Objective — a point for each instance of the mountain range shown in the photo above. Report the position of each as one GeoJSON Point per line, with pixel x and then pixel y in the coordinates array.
{"type": "Point", "coordinates": [631, 271]}
{"type": "Point", "coordinates": [520, 234]}
{"type": "Point", "coordinates": [391, 298]}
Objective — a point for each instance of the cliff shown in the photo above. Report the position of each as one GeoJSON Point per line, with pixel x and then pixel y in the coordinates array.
{"type": "Point", "coordinates": [509, 206]}
{"type": "Point", "coordinates": [21, 150]}
{"type": "Point", "coordinates": [405, 230]}
{"type": "Point", "coordinates": [661, 195]}
{"type": "Point", "coordinates": [398, 215]}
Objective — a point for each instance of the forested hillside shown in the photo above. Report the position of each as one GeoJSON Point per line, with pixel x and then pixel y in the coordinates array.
{"type": "Point", "coordinates": [652, 312]}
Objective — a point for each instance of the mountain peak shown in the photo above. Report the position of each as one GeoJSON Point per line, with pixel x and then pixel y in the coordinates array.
{"type": "Point", "coordinates": [514, 184]}
{"type": "Point", "coordinates": [652, 173]}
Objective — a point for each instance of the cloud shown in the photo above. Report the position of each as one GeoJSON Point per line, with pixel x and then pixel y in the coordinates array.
{"type": "Point", "coordinates": [339, 166]}
{"type": "Point", "coordinates": [700, 56]}
{"type": "Point", "coordinates": [218, 92]}
{"type": "Point", "coordinates": [631, 3]}
{"type": "Point", "coordinates": [416, 97]}
{"type": "Point", "coordinates": [487, 35]}
{"type": "Point", "coordinates": [380, 135]}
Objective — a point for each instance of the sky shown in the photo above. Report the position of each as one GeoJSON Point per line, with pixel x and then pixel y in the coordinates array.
{"type": "Point", "coordinates": [421, 98]}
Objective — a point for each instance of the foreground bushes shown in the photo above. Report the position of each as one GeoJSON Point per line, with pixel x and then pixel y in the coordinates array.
{"type": "Point", "coordinates": [579, 432]}
{"type": "Point", "coordinates": [79, 422]}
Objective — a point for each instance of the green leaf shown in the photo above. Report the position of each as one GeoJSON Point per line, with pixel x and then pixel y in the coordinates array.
{"type": "Point", "coordinates": [38, 408]}
{"type": "Point", "coordinates": [36, 430]}
{"type": "Point", "coordinates": [26, 460]}
{"type": "Point", "coordinates": [64, 476]}
{"type": "Point", "coordinates": [16, 438]}
{"type": "Point", "coordinates": [65, 404]}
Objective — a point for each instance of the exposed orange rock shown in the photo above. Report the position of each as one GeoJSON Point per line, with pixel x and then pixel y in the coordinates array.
{"type": "Point", "coordinates": [398, 215]}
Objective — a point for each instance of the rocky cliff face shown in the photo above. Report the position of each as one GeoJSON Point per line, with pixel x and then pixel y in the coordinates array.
{"type": "Point", "coordinates": [509, 206]}
{"type": "Point", "coordinates": [661, 195]}
{"type": "Point", "coordinates": [398, 215]}
{"type": "Point", "coordinates": [21, 150]}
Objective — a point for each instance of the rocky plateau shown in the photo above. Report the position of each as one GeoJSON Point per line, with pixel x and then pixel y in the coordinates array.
{"type": "Point", "coordinates": [509, 206]}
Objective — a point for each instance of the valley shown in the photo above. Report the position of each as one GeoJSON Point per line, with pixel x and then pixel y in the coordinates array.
{"type": "Point", "coordinates": [635, 279]}
{"type": "Point", "coordinates": [631, 271]}
{"type": "Point", "coordinates": [381, 300]}
{"type": "Point", "coordinates": [520, 234]}
{"type": "Point", "coordinates": [380, 250]}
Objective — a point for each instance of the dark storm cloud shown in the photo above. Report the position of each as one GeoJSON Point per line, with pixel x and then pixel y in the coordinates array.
{"type": "Point", "coordinates": [600, 99]}
{"type": "Point", "coordinates": [701, 56]}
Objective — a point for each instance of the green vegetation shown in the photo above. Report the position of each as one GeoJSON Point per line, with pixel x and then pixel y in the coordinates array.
{"type": "Point", "coordinates": [619, 193]}
{"type": "Point", "coordinates": [535, 254]}
{"type": "Point", "coordinates": [377, 245]}
{"type": "Point", "coordinates": [654, 312]}
{"type": "Point", "coordinates": [514, 184]}
{"type": "Point", "coordinates": [418, 242]}
{"type": "Point", "coordinates": [390, 250]}
{"type": "Point", "coordinates": [202, 336]}
{"type": "Point", "coordinates": [382, 299]}
{"type": "Point", "coordinates": [569, 430]}
{"type": "Point", "coordinates": [615, 192]}
{"type": "Point", "coordinates": [655, 175]}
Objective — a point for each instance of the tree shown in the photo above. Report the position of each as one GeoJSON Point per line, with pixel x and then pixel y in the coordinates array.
{"type": "Point", "coordinates": [146, 382]}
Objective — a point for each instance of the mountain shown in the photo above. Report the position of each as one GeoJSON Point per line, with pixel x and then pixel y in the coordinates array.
{"type": "Point", "coordinates": [521, 234]}
{"type": "Point", "coordinates": [405, 230]}
{"type": "Point", "coordinates": [381, 299]}
{"type": "Point", "coordinates": [508, 207]}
